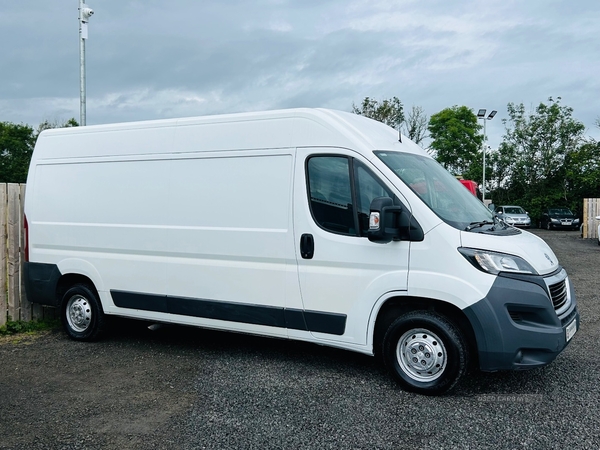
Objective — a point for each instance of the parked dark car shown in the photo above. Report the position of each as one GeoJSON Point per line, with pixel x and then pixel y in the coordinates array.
{"type": "Point", "coordinates": [559, 217]}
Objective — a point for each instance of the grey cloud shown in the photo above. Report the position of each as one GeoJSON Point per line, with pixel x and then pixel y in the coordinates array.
{"type": "Point", "coordinates": [153, 59]}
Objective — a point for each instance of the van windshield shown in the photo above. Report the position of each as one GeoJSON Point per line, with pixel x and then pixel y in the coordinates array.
{"type": "Point", "coordinates": [443, 193]}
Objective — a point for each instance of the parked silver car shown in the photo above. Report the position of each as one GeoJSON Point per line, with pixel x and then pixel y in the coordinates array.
{"type": "Point", "coordinates": [513, 215]}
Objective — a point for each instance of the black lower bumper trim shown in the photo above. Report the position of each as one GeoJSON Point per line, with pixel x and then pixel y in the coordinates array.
{"type": "Point", "coordinates": [40, 282]}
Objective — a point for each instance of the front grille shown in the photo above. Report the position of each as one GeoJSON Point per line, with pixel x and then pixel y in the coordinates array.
{"type": "Point", "coordinates": [558, 293]}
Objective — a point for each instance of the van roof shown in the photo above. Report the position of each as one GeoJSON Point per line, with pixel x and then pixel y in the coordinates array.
{"type": "Point", "coordinates": [302, 127]}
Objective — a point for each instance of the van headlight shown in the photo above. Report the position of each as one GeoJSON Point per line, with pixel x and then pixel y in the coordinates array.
{"type": "Point", "coordinates": [495, 262]}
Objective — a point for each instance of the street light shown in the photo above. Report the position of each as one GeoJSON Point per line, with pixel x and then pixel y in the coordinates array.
{"type": "Point", "coordinates": [85, 12]}
{"type": "Point", "coordinates": [481, 115]}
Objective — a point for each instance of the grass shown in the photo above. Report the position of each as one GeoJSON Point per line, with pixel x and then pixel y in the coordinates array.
{"type": "Point", "coordinates": [20, 327]}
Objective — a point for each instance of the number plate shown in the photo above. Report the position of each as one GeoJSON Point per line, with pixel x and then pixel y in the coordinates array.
{"type": "Point", "coordinates": [571, 329]}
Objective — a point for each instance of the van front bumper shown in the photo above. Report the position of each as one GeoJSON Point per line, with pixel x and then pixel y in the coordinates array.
{"type": "Point", "coordinates": [516, 325]}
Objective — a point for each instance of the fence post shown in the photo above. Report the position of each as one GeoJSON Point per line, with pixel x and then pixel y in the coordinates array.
{"type": "Point", "coordinates": [14, 297]}
{"type": "Point", "coordinates": [591, 210]}
{"type": "Point", "coordinates": [26, 305]}
{"type": "Point", "coordinates": [584, 231]}
{"type": "Point", "coordinates": [3, 268]}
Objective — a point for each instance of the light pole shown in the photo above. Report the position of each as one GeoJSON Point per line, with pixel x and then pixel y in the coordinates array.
{"type": "Point", "coordinates": [85, 12]}
{"type": "Point", "coordinates": [481, 115]}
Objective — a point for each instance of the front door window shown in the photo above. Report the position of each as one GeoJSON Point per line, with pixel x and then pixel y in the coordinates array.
{"type": "Point", "coordinates": [341, 190]}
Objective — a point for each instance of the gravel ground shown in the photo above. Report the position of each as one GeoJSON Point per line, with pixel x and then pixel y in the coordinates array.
{"type": "Point", "coordinates": [187, 388]}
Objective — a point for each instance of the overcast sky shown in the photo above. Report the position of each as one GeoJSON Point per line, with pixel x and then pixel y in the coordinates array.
{"type": "Point", "coordinates": [161, 59]}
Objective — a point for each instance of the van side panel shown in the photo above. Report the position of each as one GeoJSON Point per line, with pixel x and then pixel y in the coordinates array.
{"type": "Point", "coordinates": [229, 228]}
{"type": "Point", "coordinates": [205, 234]}
{"type": "Point", "coordinates": [109, 215]}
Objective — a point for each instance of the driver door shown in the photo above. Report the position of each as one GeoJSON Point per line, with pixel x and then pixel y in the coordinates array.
{"type": "Point", "coordinates": [343, 273]}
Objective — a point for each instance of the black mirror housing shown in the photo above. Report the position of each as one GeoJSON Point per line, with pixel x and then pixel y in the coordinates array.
{"type": "Point", "coordinates": [383, 220]}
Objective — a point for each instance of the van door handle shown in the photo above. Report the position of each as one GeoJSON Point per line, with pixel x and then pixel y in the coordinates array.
{"type": "Point", "coordinates": [307, 246]}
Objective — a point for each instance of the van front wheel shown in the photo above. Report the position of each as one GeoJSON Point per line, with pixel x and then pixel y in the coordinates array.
{"type": "Point", "coordinates": [425, 352]}
{"type": "Point", "coordinates": [82, 315]}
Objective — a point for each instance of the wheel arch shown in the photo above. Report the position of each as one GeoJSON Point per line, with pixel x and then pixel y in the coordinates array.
{"type": "Point", "coordinates": [75, 271]}
{"type": "Point", "coordinates": [65, 282]}
{"type": "Point", "coordinates": [398, 305]}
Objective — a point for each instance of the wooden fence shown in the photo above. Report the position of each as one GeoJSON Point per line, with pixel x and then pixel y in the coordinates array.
{"type": "Point", "coordinates": [13, 301]}
{"type": "Point", "coordinates": [591, 210]}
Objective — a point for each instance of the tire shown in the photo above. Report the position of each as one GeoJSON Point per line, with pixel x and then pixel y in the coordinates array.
{"type": "Point", "coordinates": [81, 313]}
{"type": "Point", "coordinates": [435, 356]}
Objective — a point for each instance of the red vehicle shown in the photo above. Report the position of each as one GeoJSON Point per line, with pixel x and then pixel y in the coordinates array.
{"type": "Point", "coordinates": [470, 185]}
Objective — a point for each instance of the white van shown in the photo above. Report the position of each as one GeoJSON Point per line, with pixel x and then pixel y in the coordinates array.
{"type": "Point", "coordinates": [306, 224]}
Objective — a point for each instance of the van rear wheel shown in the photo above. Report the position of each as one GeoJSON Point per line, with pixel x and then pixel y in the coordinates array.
{"type": "Point", "coordinates": [81, 313]}
{"type": "Point", "coordinates": [425, 352]}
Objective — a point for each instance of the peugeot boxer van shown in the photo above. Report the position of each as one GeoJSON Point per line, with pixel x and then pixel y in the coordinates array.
{"type": "Point", "coordinates": [307, 224]}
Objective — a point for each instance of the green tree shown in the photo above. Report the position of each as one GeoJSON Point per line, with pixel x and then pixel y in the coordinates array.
{"type": "Point", "coordinates": [456, 140]}
{"type": "Point", "coordinates": [582, 171]}
{"type": "Point", "coordinates": [390, 112]}
{"type": "Point", "coordinates": [538, 146]}
{"type": "Point", "coordinates": [16, 148]}
{"type": "Point", "coordinates": [499, 166]}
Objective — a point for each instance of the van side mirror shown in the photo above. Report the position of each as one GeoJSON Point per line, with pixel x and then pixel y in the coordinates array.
{"type": "Point", "coordinates": [383, 220]}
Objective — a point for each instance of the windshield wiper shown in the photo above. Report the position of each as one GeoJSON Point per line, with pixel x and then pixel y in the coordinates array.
{"type": "Point", "coordinates": [473, 225]}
